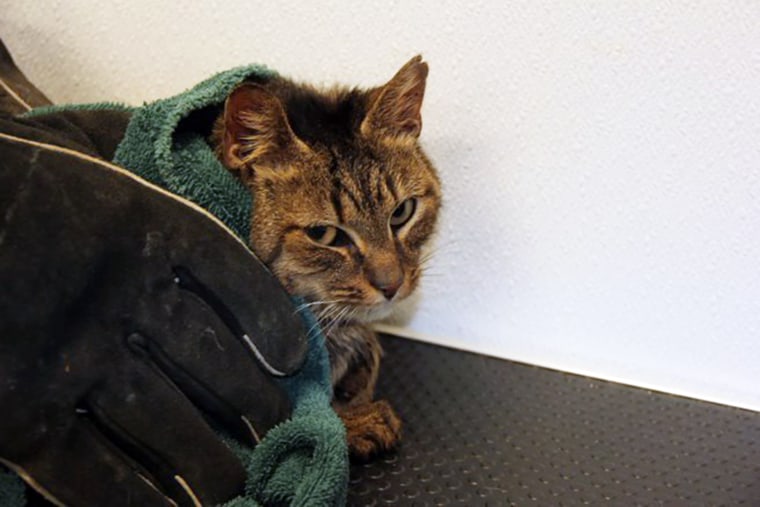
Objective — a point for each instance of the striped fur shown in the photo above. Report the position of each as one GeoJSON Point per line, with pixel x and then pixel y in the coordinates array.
{"type": "Point", "coordinates": [344, 158]}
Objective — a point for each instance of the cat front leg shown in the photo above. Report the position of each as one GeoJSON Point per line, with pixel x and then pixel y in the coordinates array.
{"type": "Point", "coordinates": [372, 427]}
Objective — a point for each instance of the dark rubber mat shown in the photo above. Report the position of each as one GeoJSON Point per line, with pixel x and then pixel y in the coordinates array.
{"type": "Point", "coordinates": [483, 431]}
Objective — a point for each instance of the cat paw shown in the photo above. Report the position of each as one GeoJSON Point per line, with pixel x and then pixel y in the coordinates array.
{"type": "Point", "coordinates": [372, 429]}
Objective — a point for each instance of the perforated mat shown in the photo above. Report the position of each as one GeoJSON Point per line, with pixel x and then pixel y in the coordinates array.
{"type": "Point", "coordinates": [482, 431]}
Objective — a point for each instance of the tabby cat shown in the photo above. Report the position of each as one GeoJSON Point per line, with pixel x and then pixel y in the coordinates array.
{"type": "Point", "coordinates": [344, 202]}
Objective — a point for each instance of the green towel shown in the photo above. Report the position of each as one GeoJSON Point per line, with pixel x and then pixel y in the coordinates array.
{"type": "Point", "coordinates": [302, 461]}
{"type": "Point", "coordinates": [11, 490]}
{"type": "Point", "coordinates": [162, 148]}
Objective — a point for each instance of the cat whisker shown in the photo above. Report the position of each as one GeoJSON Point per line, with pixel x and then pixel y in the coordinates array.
{"type": "Point", "coordinates": [338, 317]}
{"type": "Point", "coordinates": [328, 329]}
{"type": "Point", "coordinates": [441, 245]}
{"type": "Point", "coordinates": [352, 313]}
{"type": "Point", "coordinates": [424, 261]}
{"type": "Point", "coordinates": [329, 317]}
{"type": "Point", "coordinates": [427, 274]}
{"type": "Point", "coordinates": [323, 314]}
{"type": "Point", "coordinates": [427, 257]}
{"type": "Point", "coordinates": [335, 315]}
{"type": "Point", "coordinates": [343, 315]}
{"type": "Point", "coordinates": [425, 270]}
{"type": "Point", "coordinates": [304, 306]}
{"type": "Point", "coordinates": [314, 326]}
{"type": "Point", "coordinates": [319, 318]}
{"type": "Point", "coordinates": [430, 252]}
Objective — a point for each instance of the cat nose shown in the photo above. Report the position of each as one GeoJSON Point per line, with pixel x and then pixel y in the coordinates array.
{"type": "Point", "coordinates": [390, 290]}
{"type": "Point", "coordinates": [386, 275]}
{"type": "Point", "coordinates": [388, 283]}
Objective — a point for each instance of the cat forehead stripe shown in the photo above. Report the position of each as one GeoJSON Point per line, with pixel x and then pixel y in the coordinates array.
{"type": "Point", "coordinates": [391, 186]}
{"type": "Point", "coordinates": [335, 200]}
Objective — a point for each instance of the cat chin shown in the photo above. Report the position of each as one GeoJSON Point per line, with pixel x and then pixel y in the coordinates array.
{"type": "Point", "coordinates": [373, 313]}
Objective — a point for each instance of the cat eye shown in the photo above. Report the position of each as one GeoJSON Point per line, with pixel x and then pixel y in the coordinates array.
{"type": "Point", "coordinates": [403, 213]}
{"type": "Point", "coordinates": [328, 235]}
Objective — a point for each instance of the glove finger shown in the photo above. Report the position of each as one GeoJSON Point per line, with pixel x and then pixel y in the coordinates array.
{"type": "Point", "coordinates": [81, 468]}
{"type": "Point", "coordinates": [237, 395]}
{"type": "Point", "coordinates": [252, 304]}
{"type": "Point", "coordinates": [214, 264]}
{"type": "Point", "coordinates": [187, 339]}
{"type": "Point", "coordinates": [151, 421]}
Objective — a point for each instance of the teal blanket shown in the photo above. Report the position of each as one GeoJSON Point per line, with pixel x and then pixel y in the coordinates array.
{"type": "Point", "coordinates": [303, 461]}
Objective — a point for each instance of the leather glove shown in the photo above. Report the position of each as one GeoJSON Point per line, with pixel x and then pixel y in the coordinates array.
{"type": "Point", "coordinates": [131, 324]}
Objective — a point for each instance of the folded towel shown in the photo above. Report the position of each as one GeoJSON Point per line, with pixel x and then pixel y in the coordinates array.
{"type": "Point", "coordinates": [302, 461]}
{"type": "Point", "coordinates": [162, 146]}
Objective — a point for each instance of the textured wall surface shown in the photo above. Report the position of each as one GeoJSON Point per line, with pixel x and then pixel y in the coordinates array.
{"type": "Point", "coordinates": [601, 161]}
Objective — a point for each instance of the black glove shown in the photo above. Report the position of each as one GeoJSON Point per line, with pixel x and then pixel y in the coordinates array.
{"type": "Point", "coordinates": [130, 324]}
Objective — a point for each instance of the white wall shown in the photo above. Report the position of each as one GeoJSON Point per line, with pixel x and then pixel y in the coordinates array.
{"type": "Point", "coordinates": [601, 161]}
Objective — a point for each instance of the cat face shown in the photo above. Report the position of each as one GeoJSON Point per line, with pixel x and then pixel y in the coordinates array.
{"type": "Point", "coordinates": [344, 198]}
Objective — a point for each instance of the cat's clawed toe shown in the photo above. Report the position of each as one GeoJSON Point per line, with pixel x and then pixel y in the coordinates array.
{"type": "Point", "coordinates": [371, 428]}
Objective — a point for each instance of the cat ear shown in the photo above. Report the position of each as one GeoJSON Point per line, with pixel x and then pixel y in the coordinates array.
{"type": "Point", "coordinates": [394, 113]}
{"type": "Point", "coordinates": [256, 129]}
